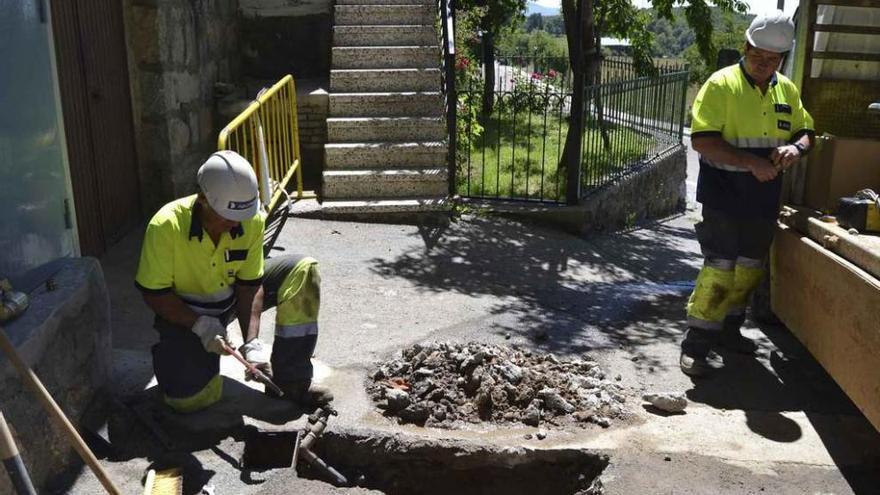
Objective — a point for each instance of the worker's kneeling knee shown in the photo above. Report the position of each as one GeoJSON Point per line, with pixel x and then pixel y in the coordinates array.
{"type": "Point", "coordinates": [207, 396]}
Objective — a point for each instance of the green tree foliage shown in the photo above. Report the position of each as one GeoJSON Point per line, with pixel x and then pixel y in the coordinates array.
{"type": "Point", "coordinates": [535, 44]}
{"type": "Point", "coordinates": [553, 25]}
{"type": "Point", "coordinates": [496, 16]}
{"type": "Point", "coordinates": [729, 33]}
{"type": "Point", "coordinates": [533, 22]}
{"type": "Point", "coordinates": [593, 19]}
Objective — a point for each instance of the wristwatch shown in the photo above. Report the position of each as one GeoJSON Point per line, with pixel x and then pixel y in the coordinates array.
{"type": "Point", "coordinates": [801, 148]}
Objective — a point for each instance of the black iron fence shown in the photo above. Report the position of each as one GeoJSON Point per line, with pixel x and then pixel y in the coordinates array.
{"type": "Point", "coordinates": [516, 151]}
{"type": "Point", "coordinates": [629, 123]}
{"type": "Point", "coordinates": [557, 72]}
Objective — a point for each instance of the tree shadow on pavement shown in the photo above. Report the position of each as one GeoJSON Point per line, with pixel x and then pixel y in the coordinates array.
{"type": "Point", "coordinates": [553, 284]}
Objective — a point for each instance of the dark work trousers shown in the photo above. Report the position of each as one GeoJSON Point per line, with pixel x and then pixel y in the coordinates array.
{"type": "Point", "coordinates": [183, 367]}
{"type": "Point", "coordinates": [735, 251]}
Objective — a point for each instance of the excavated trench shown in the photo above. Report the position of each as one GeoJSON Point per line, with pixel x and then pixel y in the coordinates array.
{"type": "Point", "coordinates": [396, 464]}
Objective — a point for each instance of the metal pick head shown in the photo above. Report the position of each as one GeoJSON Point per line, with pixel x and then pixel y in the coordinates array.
{"type": "Point", "coordinates": [874, 107]}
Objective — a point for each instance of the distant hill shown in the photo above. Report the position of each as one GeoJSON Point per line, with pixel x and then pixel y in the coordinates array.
{"type": "Point", "coordinates": [534, 8]}
{"type": "Point", "coordinates": [672, 39]}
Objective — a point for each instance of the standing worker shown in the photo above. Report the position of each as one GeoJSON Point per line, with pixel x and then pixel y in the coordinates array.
{"type": "Point", "coordinates": [748, 125]}
{"type": "Point", "coordinates": [201, 265]}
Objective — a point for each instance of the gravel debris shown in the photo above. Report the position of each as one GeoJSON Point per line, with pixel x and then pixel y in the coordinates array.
{"type": "Point", "coordinates": [450, 385]}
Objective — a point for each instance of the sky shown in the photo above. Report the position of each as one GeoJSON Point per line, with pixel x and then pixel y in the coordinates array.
{"type": "Point", "coordinates": [756, 6]}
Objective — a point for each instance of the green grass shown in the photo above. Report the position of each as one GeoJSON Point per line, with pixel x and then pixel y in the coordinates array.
{"type": "Point", "coordinates": [518, 158]}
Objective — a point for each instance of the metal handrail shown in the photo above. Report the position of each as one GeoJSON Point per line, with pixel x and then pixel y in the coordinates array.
{"type": "Point", "coordinates": [266, 133]}
{"type": "Point", "coordinates": [447, 23]}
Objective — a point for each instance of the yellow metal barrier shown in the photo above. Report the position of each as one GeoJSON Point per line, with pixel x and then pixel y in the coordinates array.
{"type": "Point", "coordinates": [267, 134]}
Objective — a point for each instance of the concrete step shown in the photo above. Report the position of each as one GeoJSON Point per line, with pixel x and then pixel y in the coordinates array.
{"type": "Point", "coordinates": [419, 35]}
{"type": "Point", "coordinates": [387, 2]}
{"type": "Point", "coordinates": [358, 15]}
{"type": "Point", "coordinates": [383, 80]}
{"type": "Point", "coordinates": [399, 129]}
{"type": "Point", "coordinates": [381, 57]}
{"type": "Point", "coordinates": [385, 155]}
{"type": "Point", "coordinates": [385, 183]}
{"type": "Point", "coordinates": [410, 104]}
{"type": "Point", "coordinates": [366, 207]}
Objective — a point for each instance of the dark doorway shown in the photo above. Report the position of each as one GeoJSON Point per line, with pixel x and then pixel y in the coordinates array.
{"type": "Point", "coordinates": [95, 97]}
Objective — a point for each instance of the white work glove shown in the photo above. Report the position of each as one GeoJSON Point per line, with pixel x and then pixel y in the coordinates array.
{"type": "Point", "coordinates": [256, 353]}
{"type": "Point", "coordinates": [212, 334]}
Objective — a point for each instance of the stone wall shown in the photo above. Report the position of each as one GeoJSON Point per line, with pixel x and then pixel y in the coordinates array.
{"type": "Point", "coordinates": [65, 337]}
{"type": "Point", "coordinates": [656, 190]}
{"type": "Point", "coordinates": [286, 37]}
{"type": "Point", "coordinates": [178, 50]}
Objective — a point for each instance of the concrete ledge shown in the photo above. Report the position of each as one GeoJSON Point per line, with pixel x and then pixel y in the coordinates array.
{"type": "Point", "coordinates": [65, 337]}
{"type": "Point", "coordinates": [652, 191]}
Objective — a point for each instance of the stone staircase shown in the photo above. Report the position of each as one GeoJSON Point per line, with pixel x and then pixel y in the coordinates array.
{"type": "Point", "coordinates": [386, 135]}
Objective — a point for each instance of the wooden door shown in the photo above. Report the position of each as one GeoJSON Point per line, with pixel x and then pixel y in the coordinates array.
{"type": "Point", "coordinates": [93, 79]}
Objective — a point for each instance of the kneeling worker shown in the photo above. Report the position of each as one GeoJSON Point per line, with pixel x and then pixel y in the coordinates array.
{"type": "Point", "coordinates": [201, 265]}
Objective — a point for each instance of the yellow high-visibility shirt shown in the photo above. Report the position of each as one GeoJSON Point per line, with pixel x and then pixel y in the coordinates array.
{"type": "Point", "coordinates": [179, 256]}
{"type": "Point", "coordinates": [730, 105]}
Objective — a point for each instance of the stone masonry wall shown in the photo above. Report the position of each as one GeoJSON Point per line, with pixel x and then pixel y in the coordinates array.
{"type": "Point", "coordinates": [178, 50]}
{"type": "Point", "coordinates": [652, 192]}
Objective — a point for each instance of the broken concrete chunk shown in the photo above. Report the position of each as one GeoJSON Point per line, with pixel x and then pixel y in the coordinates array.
{"type": "Point", "coordinates": [531, 416]}
{"type": "Point", "coordinates": [510, 372]}
{"type": "Point", "coordinates": [415, 413]}
{"type": "Point", "coordinates": [668, 401]}
{"type": "Point", "coordinates": [397, 399]}
{"type": "Point", "coordinates": [555, 402]}
{"type": "Point", "coordinates": [602, 421]}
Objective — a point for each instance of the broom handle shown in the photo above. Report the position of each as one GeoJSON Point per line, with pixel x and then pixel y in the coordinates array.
{"type": "Point", "coordinates": [33, 382]}
{"type": "Point", "coordinates": [12, 461]}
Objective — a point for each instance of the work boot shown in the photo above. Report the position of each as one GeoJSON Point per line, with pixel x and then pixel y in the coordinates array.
{"type": "Point", "coordinates": [695, 366]}
{"type": "Point", "coordinates": [733, 339]}
{"type": "Point", "coordinates": [695, 349]}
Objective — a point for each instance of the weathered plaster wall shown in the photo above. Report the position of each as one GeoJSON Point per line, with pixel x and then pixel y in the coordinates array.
{"type": "Point", "coordinates": [178, 50]}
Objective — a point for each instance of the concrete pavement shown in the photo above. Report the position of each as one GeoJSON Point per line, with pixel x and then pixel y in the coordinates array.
{"type": "Point", "coordinates": [771, 424]}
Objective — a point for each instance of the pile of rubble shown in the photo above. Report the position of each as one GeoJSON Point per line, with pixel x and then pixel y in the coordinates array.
{"type": "Point", "coordinates": [445, 385]}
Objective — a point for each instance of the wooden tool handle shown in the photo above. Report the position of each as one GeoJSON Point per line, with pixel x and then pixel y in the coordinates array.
{"type": "Point", "coordinates": [8, 449]}
{"type": "Point", "coordinates": [33, 382]}
{"type": "Point", "coordinates": [256, 372]}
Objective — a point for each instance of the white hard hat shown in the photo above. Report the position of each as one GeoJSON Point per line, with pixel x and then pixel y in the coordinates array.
{"type": "Point", "coordinates": [229, 184]}
{"type": "Point", "coordinates": [773, 32]}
